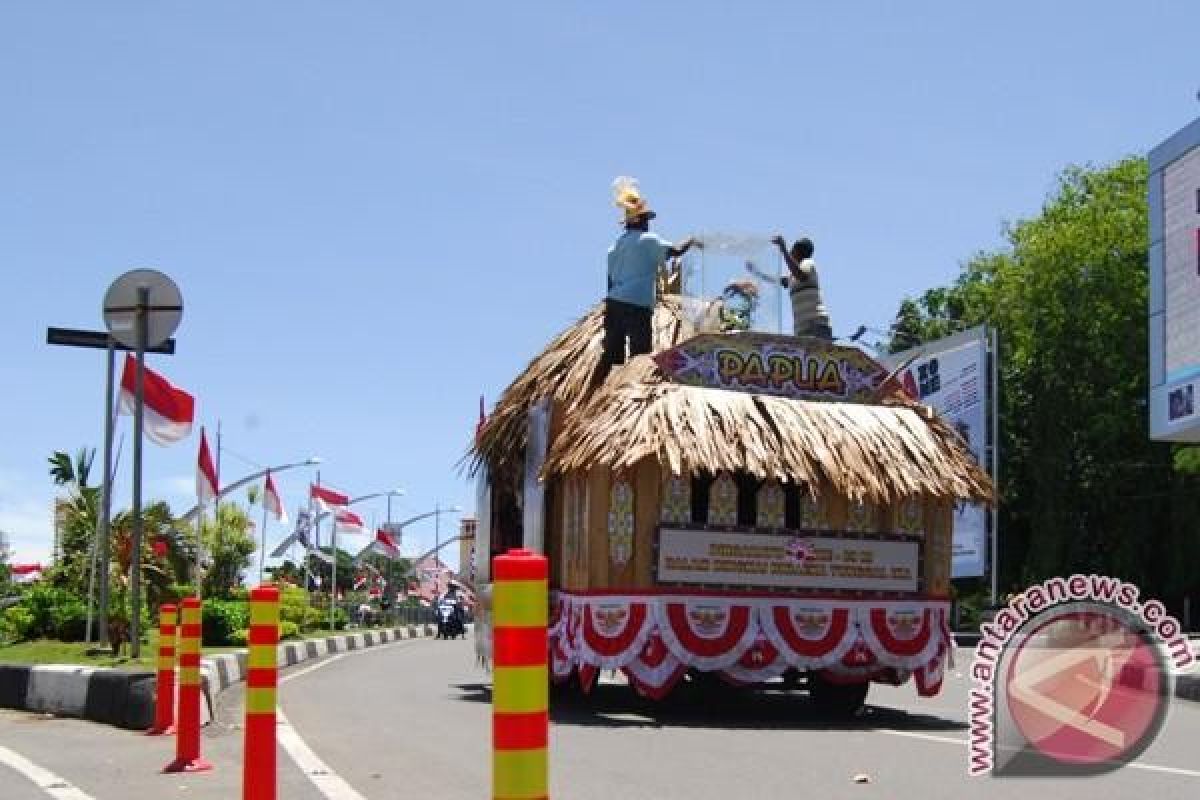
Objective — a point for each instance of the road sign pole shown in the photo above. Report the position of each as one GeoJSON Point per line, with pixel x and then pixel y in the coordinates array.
{"type": "Point", "coordinates": [135, 579]}
{"type": "Point", "coordinates": [104, 535]}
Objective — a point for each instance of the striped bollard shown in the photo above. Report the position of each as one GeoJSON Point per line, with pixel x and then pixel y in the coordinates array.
{"type": "Point", "coordinates": [187, 722]}
{"type": "Point", "coordinates": [259, 780]}
{"type": "Point", "coordinates": [164, 707]}
{"type": "Point", "coordinates": [520, 691]}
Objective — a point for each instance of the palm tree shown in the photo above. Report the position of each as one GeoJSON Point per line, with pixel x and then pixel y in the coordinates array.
{"type": "Point", "coordinates": [73, 474]}
{"type": "Point", "coordinates": [78, 521]}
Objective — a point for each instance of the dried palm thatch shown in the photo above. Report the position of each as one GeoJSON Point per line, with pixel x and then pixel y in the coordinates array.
{"type": "Point", "coordinates": [880, 453]}
{"type": "Point", "coordinates": [566, 372]}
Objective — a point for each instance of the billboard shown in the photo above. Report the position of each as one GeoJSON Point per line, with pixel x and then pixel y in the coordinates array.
{"type": "Point", "coordinates": [950, 375]}
{"type": "Point", "coordinates": [1174, 206]}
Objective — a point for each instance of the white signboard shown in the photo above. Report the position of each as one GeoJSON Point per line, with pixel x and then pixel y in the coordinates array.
{"type": "Point", "coordinates": [731, 558]}
{"type": "Point", "coordinates": [950, 375]}
{"type": "Point", "coordinates": [1174, 204]}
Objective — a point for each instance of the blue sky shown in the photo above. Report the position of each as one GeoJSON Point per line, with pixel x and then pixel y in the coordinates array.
{"type": "Point", "coordinates": [378, 211]}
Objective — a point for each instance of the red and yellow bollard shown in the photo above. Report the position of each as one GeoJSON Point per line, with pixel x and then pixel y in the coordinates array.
{"type": "Point", "coordinates": [520, 690]}
{"type": "Point", "coordinates": [262, 678]}
{"type": "Point", "coordinates": [164, 708]}
{"type": "Point", "coordinates": [187, 735]}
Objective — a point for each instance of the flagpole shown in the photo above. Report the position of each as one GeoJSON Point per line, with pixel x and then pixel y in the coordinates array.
{"type": "Point", "coordinates": [262, 556]}
{"type": "Point", "coordinates": [333, 579]}
{"type": "Point", "coordinates": [316, 523]}
{"type": "Point", "coordinates": [201, 502]}
{"type": "Point", "coordinates": [135, 579]}
{"type": "Point", "coordinates": [106, 495]}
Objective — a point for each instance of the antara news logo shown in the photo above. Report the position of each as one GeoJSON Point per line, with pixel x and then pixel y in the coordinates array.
{"type": "Point", "coordinates": [1072, 677]}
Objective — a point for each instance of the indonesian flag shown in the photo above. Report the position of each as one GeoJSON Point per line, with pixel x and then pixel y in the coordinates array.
{"type": "Point", "coordinates": [326, 497]}
{"type": "Point", "coordinates": [168, 411]}
{"type": "Point", "coordinates": [385, 545]}
{"type": "Point", "coordinates": [206, 474]}
{"type": "Point", "coordinates": [271, 500]}
{"type": "Point", "coordinates": [360, 580]}
{"type": "Point", "coordinates": [26, 573]}
{"type": "Point", "coordinates": [346, 521]}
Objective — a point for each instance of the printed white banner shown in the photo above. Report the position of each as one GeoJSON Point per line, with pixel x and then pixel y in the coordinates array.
{"type": "Point", "coordinates": [950, 375]}
{"type": "Point", "coordinates": [732, 558]}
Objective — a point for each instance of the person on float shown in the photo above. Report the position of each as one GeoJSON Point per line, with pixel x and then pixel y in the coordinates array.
{"type": "Point", "coordinates": [809, 317]}
{"type": "Point", "coordinates": [634, 262]}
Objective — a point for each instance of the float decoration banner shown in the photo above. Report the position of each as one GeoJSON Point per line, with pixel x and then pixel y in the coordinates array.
{"type": "Point", "coordinates": [759, 363]}
{"type": "Point", "coordinates": [732, 558]}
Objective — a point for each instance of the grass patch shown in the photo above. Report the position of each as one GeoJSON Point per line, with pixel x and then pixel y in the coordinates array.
{"type": "Point", "coordinates": [52, 651]}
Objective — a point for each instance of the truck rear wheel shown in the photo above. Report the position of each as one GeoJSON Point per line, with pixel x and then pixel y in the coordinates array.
{"type": "Point", "coordinates": [837, 699]}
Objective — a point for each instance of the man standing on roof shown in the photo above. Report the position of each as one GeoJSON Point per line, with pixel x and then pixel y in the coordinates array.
{"type": "Point", "coordinates": [809, 317]}
{"type": "Point", "coordinates": [634, 261]}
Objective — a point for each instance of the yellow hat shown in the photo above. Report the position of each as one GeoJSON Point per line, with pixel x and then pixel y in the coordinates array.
{"type": "Point", "coordinates": [628, 198]}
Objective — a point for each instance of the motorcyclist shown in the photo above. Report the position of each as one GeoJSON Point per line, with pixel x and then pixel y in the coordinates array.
{"type": "Point", "coordinates": [451, 598]}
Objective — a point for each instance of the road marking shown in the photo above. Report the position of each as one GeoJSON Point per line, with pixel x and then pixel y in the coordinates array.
{"type": "Point", "coordinates": [1189, 773]}
{"type": "Point", "coordinates": [44, 779]}
{"type": "Point", "coordinates": [306, 670]}
{"type": "Point", "coordinates": [328, 782]}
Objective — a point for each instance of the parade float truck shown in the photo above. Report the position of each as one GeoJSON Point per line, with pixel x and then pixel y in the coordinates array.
{"type": "Point", "coordinates": [754, 507]}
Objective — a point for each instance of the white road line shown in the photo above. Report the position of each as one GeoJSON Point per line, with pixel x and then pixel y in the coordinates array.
{"type": "Point", "coordinates": [45, 780]}
{"type": "Point", "coordinates": [326, 662]}
{"type": "Point", "coordinates": [1189, 773]}
{"type": "Point", "coordinates": [328, 782]}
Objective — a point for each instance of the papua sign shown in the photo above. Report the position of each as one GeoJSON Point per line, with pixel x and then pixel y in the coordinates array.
{"type": "Point", "coordinates": [800, 367]}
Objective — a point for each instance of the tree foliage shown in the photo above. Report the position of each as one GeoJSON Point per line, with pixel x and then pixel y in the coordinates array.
{"type": "Point", "coordinates": [229, 541]}
{"type": "Point", "coordinates": [77, 515]}
{"type": "Point", "coordinates": [1083, 487]}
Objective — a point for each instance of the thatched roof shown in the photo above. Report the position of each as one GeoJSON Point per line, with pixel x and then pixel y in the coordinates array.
{"type": "Point", "coordinates": [875, 452]}
{"type": "Point", "coordinates": [565, 371]}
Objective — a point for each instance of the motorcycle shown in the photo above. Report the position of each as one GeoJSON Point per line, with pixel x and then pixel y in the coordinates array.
{"type": "Point", "coordinates": [449, 621]}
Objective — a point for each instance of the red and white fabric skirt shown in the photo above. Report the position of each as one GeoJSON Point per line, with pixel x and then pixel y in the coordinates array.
{"type": "Point", "coordinates": [655, 638]}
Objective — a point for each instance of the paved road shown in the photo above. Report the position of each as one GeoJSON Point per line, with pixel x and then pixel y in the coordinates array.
{"type": "Point", "coordinates": [412, 720]}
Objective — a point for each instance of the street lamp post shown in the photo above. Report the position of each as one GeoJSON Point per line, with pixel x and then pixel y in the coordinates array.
{"type": "Point", "coordinates": [333, 543]}
{"type": "Point", "coordinates": [193, 514]}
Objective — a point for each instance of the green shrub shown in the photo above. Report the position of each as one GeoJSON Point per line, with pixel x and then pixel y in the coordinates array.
{"type": "Point", "coordinates": [16, 623]}
{"type": "Point", "coordinates": [288, 630]}
{"type": "Point", "coordinates": [177, 591]}
{"type": "Point", "coordinates": [239, 638]}
{"type": "Point", "coordinates": [41, 602]}
{"type": "Point", "coordinates": [314, 618]}
{"type": "Point", "coordinates": [340, 619]}
{"type": "Point", "coordinates": [70, 621]}
{"type": "Point", "coordinates": [220, 619]}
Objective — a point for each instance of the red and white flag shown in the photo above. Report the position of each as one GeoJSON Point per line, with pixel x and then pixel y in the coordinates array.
{"type": "Point", "coordinates": [26, 573]}
{"type": "Point", "coordinates": [168, 411]}
{"type": "Point", "coordinates": [327, 498]}
{"type": "Point", "coordinates": [272, 501]}
{"type": "Point", "coordinates": [207, 482]}
{"type": "Point", "coordinates": [385, 545]}
{"type": "Point", "coordinates": [346, 521]}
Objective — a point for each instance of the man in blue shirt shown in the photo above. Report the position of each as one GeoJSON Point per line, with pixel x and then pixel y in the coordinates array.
{"type": "Point", "coordinates": [633, 264]}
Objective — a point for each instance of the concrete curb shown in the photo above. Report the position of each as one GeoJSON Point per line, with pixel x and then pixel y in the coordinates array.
{"type": "Point", "coordinates": [1187, 687]}
{"type": "Point", "coordinates": [126, 699]}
